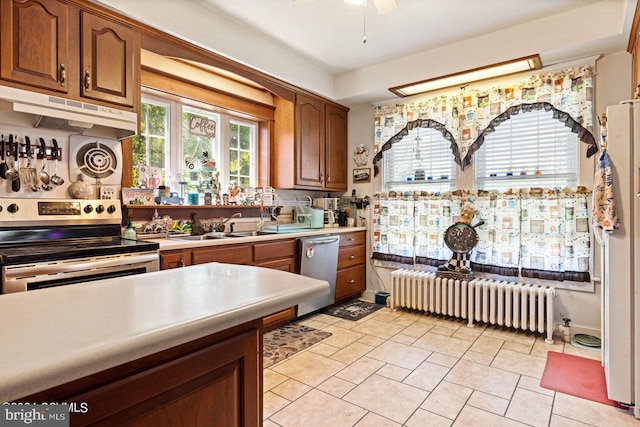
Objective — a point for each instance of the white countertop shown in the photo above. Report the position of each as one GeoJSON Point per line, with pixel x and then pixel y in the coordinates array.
{"type": "Point", "coordinates": [52, 336]}
{"type": "Point", "coordinates": [177, 243]}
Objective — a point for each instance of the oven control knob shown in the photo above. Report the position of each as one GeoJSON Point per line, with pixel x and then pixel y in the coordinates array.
{"type": "Point", "coordinates": [99, 209]}
{"type": "Point", "coordinates": [13, 208]}
{"type": "Point", "coordinates": [111, 209]}
{"type": "Point", "coordinates": [88, 209]}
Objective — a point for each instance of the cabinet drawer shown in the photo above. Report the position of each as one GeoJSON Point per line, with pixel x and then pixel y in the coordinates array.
{"type": "Point", "coordinates": [285, 264]}
{"type": "Point", "coordinates": [350, 256]}
{"type": "Point", "coordinates": [229, 254]}
{"type": "Point", "coordinates": [351, 239]}
{"type": "Point", "coordinates": [274, 250]}
{"type": "Point", "coordinates": [350, 281]}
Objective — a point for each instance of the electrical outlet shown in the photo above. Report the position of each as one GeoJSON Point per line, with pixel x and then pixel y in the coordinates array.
{"type": "Point", "coordinates": [108, 192]}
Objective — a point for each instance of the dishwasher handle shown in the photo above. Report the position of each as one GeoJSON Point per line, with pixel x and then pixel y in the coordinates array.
{"type": "Point", "coordinates": [324, 241]}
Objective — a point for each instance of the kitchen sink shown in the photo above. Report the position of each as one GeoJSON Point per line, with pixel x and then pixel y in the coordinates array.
{"type": "Point", "coordinates": [208, 236]}
{"type": "Point", "coordinates": [218, 235]}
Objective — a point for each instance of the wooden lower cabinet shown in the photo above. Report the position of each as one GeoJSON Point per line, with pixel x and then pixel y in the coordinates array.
{"type": "Point", "coordinates": [175, 258]}
{"type": "Point", "coordinates": [212, 381]}
{"type": "Point", "coordinates": [350, 282]}
{"type": "Point", "coordinates": [281, 255]}
{"type": "Point", "coordinates": [351, 278]}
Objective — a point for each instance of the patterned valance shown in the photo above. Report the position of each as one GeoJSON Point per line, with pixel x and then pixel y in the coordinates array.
{"type": "Point", "coordinates": [465, 117]}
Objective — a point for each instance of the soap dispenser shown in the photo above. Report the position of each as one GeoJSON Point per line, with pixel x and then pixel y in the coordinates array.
{"type": "Point", "coordinates": [130, 233]}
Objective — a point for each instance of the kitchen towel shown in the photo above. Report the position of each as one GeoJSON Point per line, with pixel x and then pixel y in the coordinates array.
{"type": "Point", "coordinates": [603, 213]}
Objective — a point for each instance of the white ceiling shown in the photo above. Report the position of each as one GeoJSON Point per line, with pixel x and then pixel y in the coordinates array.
{"type": "Point", "coordinates": [318, 45]}
{"type": "Point", "coordinates": [330, 32]}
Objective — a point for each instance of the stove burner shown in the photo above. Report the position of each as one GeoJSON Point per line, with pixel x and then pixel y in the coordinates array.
{"type": "Point", "coordinates": [96, 160]}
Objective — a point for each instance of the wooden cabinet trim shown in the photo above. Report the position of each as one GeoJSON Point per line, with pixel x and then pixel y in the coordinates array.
{"type": "Point", "coordinates": [227, 101]}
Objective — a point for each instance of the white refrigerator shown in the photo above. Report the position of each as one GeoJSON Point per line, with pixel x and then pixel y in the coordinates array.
{"type": "Point", "coordinates": [620, 259]}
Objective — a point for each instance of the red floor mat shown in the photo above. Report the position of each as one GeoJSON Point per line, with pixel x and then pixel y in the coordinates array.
{"type": "Point", "coordinates": [577, 376]}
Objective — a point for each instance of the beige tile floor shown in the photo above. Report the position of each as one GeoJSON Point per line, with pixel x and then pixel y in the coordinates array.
{"type": "Point", "coordinates": [400, 368]}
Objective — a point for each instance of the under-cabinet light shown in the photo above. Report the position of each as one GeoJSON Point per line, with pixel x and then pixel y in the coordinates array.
{"type": "Point", "coordinates": [460, 79]}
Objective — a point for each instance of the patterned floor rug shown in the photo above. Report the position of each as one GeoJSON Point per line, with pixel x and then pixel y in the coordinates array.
{"type": "Point", "coordinates": [353, 310]}
{"type": "Point", "coordinates": [288, 340]}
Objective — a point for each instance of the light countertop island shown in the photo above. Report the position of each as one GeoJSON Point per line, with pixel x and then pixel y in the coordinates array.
{"type": "Point", "coordinates": [58, 335]}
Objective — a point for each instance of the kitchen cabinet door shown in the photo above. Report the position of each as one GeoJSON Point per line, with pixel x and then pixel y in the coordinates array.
{"type": "Point", "coordinates": [212, 381]}
{"type": "Point", "coordinates": [110, 52]}
{"type": "Point", "coordinates": [174, 259]}
{"type": "Point", "coordinates": [310, 142]}
{"type": "Point", "coordinates": [34, 40]}
{"type": "Point", "coordinates": [336, 149]}
{"type": "Point", "coordinates": [228, 254]}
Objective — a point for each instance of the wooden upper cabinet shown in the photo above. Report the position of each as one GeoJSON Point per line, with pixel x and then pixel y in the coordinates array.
{"type": "Point", "coordinates": [310, 141]}
{"type": "Point", "coordinates": [310, 145]}
{"type": "Point", "coordinates": [336, 148]}
{"type": "Point", "coordinates": [110, 52]}
{"type": "Point", "coordinates": [34, 43]}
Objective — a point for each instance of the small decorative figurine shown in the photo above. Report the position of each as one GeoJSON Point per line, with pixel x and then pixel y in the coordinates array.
{"type": "Point", "coordinates": [361, 155]}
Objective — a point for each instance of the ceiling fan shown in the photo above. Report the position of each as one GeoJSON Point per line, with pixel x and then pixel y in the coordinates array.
{"type": "Point", "coordinates": [382, 6]}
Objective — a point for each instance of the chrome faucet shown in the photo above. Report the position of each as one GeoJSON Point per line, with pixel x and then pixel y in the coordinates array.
{"type": "Point", "coordinates": [235, 215]}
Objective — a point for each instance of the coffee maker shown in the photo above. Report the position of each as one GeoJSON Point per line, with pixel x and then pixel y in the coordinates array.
{"type": "Point", "coordinates": [330, 207]}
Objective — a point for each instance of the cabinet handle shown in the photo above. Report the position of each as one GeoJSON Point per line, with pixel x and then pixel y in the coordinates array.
{"type": "Point", "coordinates": [87, 80]}
{"type": "Point", "coordinates": [351, 257]}
{"type": "Point", "coordinates": [63, 75]}
{"type": "Point", "coordinates": [350, 240]}
{"type": "Point", "coordinates": [181, 263]}
{"type": "Point", "coordinates": [351, 281]}
{"type": "Point", "coordinates": [322, 178]}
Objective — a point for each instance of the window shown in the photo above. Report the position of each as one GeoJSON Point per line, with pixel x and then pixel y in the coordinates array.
{"type": "Point", "coordinates": [241, 149]}
{"type": "Point", "coordinates": [189, 146]}
{"type": "Point", "coordinates": [421, 161]}
{"type": "Point", "coordinates": [200, 150]}
{"type": "Point", "coordinates": [530, 149]}
{"type": "Point", "coordinates": [151, 147]}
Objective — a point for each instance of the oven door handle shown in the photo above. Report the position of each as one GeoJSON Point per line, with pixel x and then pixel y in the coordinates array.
{"type": "Point", "coordinates": [48, 269]}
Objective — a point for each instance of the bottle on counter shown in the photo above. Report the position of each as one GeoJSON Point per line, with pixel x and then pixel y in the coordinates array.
{"type": "Point", "coordinates": [208, 199]}
{"type": "Point", "coordinates": [130, 233]}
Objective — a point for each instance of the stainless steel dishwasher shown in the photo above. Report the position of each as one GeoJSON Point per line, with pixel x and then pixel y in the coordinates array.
{"type": "Point", "coordinates": [318, 258]}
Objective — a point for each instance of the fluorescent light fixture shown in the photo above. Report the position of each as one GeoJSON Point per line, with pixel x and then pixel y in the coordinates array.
{"type": "Point", "coordinates": [460, 79]}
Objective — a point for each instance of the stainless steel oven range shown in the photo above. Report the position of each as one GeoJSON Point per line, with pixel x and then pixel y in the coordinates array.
{"type": "Point", "coordinates": [46, 243]}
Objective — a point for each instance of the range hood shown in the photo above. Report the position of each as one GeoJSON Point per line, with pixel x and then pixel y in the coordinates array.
{"type": "Point", "coordinates": [64, 114]}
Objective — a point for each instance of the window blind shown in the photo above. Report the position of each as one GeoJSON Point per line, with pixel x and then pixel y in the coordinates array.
{"type": "Point", "coordinates": [529, 150]}
{"type": "Point", "coordinates": [422, 160]}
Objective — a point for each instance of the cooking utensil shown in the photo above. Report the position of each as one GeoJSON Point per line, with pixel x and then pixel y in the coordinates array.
{"type": "Point", "coordinates": [29, 174]}
{"type": "Point", "coordinates": [15, 176]}
{"type": "Point", "coordinates": [45, 179]}
{"type": "Point", "coordinates": [12, 172]}
{"type": "Point", "coordinates": [3, 166]}
{"type": "Point", "coordinates": [56, 179]}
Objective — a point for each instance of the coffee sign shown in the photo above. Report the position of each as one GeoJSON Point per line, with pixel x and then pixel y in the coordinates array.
{"type": "Point", "coordinates": [202, 126]}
